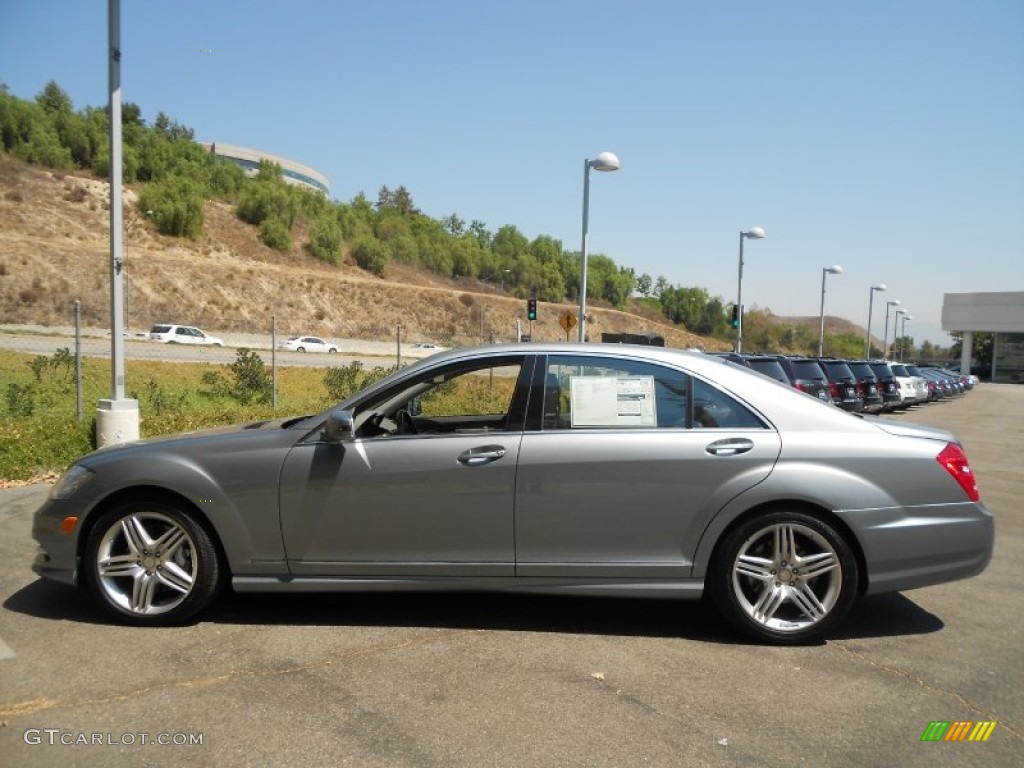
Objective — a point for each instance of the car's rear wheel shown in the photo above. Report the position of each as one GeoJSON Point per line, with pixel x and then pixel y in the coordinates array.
{"type": "Point", "coordinates": [300, 349]}
{"type": "Point", "coordinates": [784, 577]}
{"type": "Point", "coordinates": [151, 563]}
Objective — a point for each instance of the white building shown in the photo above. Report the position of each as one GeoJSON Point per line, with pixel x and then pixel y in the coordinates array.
{"type": "Point", "coordinates": [1001, 314]}
{"type": "Point", "coordinates": [293, 172]}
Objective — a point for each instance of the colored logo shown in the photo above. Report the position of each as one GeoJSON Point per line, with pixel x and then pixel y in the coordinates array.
{"type": "Point", "coordinates": [958, 730]}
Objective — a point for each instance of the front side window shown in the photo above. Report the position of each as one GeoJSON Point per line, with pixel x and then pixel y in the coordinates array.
{"type": "Point", "coordinates": [478, 397]}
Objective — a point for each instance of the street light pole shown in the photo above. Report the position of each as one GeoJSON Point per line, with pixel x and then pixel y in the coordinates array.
{"type": "Point", "coordinates": [895, 327]}
{"type": "Point", "coordinates": [871, 300]}
{"type": "Point", "coordinates": [903, 334]}
{"type": "Point", "coordinates": [885, 336]}
{"type": "Point", "coordinates": [835, 269]}
{"type": "Point", "coordinates": [117, 418]}
{"type": "Point", "coordinates": [755, 233]}
{"type": "Point", "coordinates": [606, 161]}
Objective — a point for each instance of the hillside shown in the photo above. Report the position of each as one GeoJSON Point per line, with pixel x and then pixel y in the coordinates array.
{"type": "Point", "coordinates": [54, 248]}
{"type": "Point", "coordinates": [835, 325]}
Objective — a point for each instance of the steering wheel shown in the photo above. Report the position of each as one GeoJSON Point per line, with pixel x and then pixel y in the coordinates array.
{"type": "Point", "coordinates": [404, 422]}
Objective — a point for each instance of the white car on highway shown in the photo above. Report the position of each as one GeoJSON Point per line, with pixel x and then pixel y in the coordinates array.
{"type": "Point", "coordinates": [168, 333]}
{"type": "Point", "coordinates": [307, 344]}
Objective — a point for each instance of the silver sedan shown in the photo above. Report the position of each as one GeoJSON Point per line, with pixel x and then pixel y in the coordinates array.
{"type": "Point", "coordinates": [573, 468]}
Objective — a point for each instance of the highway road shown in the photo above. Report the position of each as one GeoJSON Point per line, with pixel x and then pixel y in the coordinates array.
{"type": "Point", "coordinates": [370, 353]}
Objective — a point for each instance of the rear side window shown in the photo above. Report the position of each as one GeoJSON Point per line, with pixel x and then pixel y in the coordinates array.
{"type": "Point", "coordinates": [769, 367]}
{"type": "Point", "coordinates": [160, 329]}
{"type": "Point", "coordinates": [837, 370]}
{"type": "Point", "coordinates": [862, 370]}
{"type": "Point", "coordinates": [807, 369]}
{"type": "Point", "coordinates": [583, 392]}
{"type": "Point", "coordinates": [882, 370]}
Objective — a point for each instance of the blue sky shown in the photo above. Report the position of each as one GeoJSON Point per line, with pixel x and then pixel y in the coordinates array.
{"type": "Point", "coordinates": [886, 136]}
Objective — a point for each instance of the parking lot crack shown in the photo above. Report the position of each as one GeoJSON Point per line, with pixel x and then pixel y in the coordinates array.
{"type": "Point", "coordinates": [981, 711]}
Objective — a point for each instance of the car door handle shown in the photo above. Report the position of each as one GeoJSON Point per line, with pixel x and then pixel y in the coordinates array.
{"type": "Point", "coordinates": [730, 446]}
{"type": "Point", "coordinates": [485, 454]}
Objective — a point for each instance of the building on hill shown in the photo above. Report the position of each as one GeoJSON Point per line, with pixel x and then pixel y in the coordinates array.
{"type": "Point", "coordinates": [293, 172]}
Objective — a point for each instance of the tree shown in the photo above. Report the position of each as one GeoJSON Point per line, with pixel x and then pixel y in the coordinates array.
{"type": "Point", "coordinates": [454, 225]}
{"type": "Point", "coordinates": [644, 285]}
{"type": "Point", "coordinates": [479, 230]}
{"type": "Point", "coordinates": [53, 100]}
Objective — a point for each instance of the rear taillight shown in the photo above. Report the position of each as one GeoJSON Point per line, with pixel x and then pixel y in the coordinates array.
{"type": "Point", "coordinates": [954, 460]}
{"type": "Point", "coordinates": [801, 386]}
{"type": "Point", "coordinates": [834, 390]}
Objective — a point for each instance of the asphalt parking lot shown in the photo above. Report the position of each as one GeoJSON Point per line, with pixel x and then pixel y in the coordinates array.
{"type": "Point", "coordinates": [483, 680]}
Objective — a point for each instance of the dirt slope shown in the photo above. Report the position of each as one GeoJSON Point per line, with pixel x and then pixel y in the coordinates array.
{"type": "Point", "coordinates": [54, 248]}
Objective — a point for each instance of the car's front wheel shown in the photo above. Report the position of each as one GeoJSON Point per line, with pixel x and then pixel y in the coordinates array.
{"type": "Point", "coordinates": [152, 563]}
{"type": "Point", "coordinates": [784, 577]}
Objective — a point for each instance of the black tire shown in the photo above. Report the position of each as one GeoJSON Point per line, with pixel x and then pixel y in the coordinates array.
{"type": "Point", "coordinates": [300, 349]}
{"type": "Point", "coordinates": [774, 597]}
{"type": "Point", "coordinates": [139, 583]}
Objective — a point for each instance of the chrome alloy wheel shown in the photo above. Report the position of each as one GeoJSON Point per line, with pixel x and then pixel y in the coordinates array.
{"type": "Point", "coordinates": [787, 577]}
{"type": "Point", "coordinates": [146, 563]}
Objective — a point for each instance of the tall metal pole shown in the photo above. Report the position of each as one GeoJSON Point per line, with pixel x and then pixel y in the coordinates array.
{"type": "Point", "coordinates": [583, 252]}
{"type": "Point", "coordinates": [885, 336]}
{"type": "Point", "coordinates": [116, 212]}
{"type": "Point", "coordinates": [273, 359]}
{"type": "Point", "coordinates": [117, 419]}
{"type": "Point", "coordinates": [78, 359]}
{"type": "Point", "coordinates": [867, 344]}
{"type": "Point", "coordinates": [821, 332]}
{"type": "Point", "coordinates": [739, 299]}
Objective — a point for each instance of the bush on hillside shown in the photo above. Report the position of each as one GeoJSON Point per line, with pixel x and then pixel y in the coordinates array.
{"type": "Point", "coordinates": [177, 206]}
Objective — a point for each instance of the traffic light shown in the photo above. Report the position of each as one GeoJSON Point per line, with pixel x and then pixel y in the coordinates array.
{"type": "Point", "coordinates": [531, 309]}
{"type": "Point", "coordinates": [735, 315]}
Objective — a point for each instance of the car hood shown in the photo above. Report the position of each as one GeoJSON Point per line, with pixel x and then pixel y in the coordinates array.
{"type": "Point", "coordinates": [199, 434]}
{"type": "Point", "coordinates": [902, 429]}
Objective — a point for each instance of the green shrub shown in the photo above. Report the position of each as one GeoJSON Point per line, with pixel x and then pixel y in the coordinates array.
{"type": "Point", "coordinates": [20, 400]}
{"type": "Point", "coordinates": [371, 255]}
{"type": "Point", "coordinates": [253, 382]}
{"type": "Point", "coordinates": [177, 205]}
{"type": "Point", "coordinates": [275, 234]}
{"type": "Point", "coordinates": [325, 240]}
{"type": "Point", "coordinates": [342, 382]}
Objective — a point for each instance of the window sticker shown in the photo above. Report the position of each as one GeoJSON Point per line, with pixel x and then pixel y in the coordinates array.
{"type": "Point", "coordinates": [613, 401]}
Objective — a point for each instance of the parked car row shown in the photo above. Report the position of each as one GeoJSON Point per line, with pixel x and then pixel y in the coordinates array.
{"type": "Point", "coordinates": [858, 386]}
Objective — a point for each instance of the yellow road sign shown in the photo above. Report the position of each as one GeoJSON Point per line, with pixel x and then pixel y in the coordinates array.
{"type": "Point", "coordinates": [567, 321]}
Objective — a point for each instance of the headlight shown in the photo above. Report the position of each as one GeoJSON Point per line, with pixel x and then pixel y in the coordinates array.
{"type": "Point", "coordinates": [71, 481]}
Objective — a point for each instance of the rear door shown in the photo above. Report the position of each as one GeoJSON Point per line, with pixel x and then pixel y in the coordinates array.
{"type": "Point", "coordinates": [624, 463]}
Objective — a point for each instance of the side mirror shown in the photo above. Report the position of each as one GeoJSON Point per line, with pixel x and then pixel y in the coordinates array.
{"type": "Point", "coordinates": [340, 426]}
{"type": "Point", "coordinates": [415, 407]}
